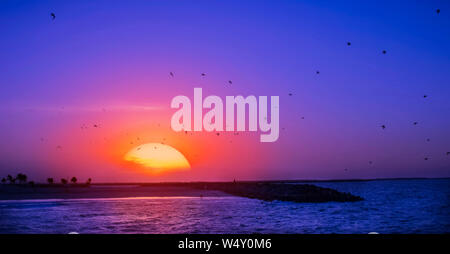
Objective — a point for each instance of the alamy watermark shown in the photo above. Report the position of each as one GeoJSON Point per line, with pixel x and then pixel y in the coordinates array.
{"type": "Point", "coordinates": [213, 120]}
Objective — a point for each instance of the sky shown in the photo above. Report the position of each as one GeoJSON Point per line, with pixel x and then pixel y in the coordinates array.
{"type": "Point", "coordinates": [108, 64]}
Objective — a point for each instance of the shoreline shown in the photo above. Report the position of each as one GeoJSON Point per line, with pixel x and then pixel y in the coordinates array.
{"type": "Point", "coordinates": [302, 193]}
{"type": "Point", "coordinates": [277, 181]}
{"type": "Point", "coordinates": [71, 192]}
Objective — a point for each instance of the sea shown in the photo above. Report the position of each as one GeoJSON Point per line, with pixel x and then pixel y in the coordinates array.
{"type": "Point", "coordinates": [420, 206]}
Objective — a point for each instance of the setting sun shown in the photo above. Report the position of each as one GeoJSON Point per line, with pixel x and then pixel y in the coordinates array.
{"type": "Point", "coordinates": [157, 157]}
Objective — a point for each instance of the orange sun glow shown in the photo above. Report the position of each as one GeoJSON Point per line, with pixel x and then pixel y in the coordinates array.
{"type": "Point", "coordinates": [157, 157]}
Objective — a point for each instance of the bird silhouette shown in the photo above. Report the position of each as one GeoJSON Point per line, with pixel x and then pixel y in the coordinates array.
{"type": "Point", "coordinates": [425, 96]}
{"type": "Point", "coordinates": [303, 117]}
{"type": "Point", "coordinates": [384, 51]}
{"type": "Point", "coordinates": [290, 94]}
{"type": "Point", "coordinates": [171, 74]}
{"type": "Point", "coordinates": [349, 43]}
{"type": "Point", "coordinates": [203, 74]}
{"type": "Point", "coordinates": [415, 123]}
{"type": "Point", "coordinates": [448, 153]}
{"type": "Point", "coordinates": [317, 72]}
{"type": "Point", "coordinates": [370, 162]}
{"type": "Point", "coordinates": [426, 158]}
{"type": "Point", "coordinates": [53, 16]}
{"type": "Point", "coordinates": [383, 126]}
{"type": "Point", "coordinates": [428, 140]}
{"type": "Point", "coordinates": [217, 134]}
{"type": "Point", "coordinates": [438, 11]}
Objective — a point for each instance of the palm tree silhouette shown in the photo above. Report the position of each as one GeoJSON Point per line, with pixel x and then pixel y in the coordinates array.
{"type": "Point", "coordinates": [50, 180]}
{"type": "Point", "coordinates": [63, 181]}
{"type": "Point", "coordinates": [11, 179]}
{"type": "Point", "coordinates": [74, 180]}
{"type": "Point", "coordinates": [89, 181]}
{"type": "Point", "coordinates": [22, 178]}
{"type": "Point", "coordinates": [3, 180]}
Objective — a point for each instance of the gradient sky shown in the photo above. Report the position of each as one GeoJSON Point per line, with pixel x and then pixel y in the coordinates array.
{"type": "Point", "coordinates": [108, 62]}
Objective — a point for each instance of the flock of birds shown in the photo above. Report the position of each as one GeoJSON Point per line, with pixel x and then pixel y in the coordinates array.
{"type": "Point", "coordinates": [171, 74]}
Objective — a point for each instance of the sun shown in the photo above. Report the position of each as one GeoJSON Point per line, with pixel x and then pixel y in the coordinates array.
{"type": "Point", "coordinates": [158, 158]}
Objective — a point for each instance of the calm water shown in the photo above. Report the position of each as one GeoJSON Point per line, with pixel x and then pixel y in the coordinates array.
{"type": "Point", "coordinates": [398, 206]}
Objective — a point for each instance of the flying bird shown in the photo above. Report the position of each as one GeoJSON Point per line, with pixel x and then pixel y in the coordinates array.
{"type": "Point", "coordinates": [428, 140]}
{"type": "Point", "coordinates": [384, 51]}
{"type": "Point", "coordinates": [53, 16]}
{"type": "Point", "coordinates": [425, 96]}
{"type": "Point", "coordinates": [383, 126]}
{"type": "Point", "coordinates": [203, 74]}
{"type": "Point", "coordinates": [370, 162]}
{"type": "Point", "coordinates": [171, 74]}
{"type": "Point", "coordinates": [317, 72]}
{"type": "Point", "coordinates": [230, 82]}
{"type": "Point", "coordinates": [426, 158]}
{"type": "Point", "coordinates": [438, 11]}
{"type": "Point", "coordinates": [290, 94]}
{"type": "Point", "coordinates": [217, 134]}
{"type": "Point", "coordinates": [415, 123]}
{"type": "Point", "coordinates": [448, 153]}
{"type": "Point", "coordinates": [349, 43]}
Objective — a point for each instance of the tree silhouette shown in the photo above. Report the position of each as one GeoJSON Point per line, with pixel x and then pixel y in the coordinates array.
{"type": "Point", "coordinates": [63, 181]}
{"type": "Point", "coordinates": [50, 180]}
{"type": "Point", "coordinates": [11, 179]}
{"type": "Point", "coordinates": [74, 180]}
{"type": "Point", "coordinates": [89, 181]}
{"type": "Point", "coordinates": [3, 180]}
{"type": "Point", "coordinates": [22, 178]}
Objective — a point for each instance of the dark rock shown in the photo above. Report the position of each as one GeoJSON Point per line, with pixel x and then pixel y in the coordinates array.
{"type": "Point", "coordinates": [282, 192]}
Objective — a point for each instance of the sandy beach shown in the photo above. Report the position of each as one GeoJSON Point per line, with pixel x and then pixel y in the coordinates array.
{"type": "Point", "coordinates": [255, 190]}
{"type": "Point", "coordinates": [11, 192]}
